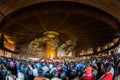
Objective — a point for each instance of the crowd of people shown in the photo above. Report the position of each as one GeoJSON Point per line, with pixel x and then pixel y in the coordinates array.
{"type": "Point", "coordinates": [107, 68]}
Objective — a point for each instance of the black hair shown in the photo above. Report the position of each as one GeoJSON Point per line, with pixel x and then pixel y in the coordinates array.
{"type": "Point", "coordinates": [40, 72]}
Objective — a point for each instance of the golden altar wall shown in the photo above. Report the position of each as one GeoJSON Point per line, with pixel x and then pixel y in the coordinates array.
{"type": "Point", "coordinates": [51, 44]}
{"type": "Point", "coordinates": [50, 53]}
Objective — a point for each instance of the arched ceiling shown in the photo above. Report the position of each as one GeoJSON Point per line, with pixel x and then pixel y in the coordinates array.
{"type": "Point", "coordinates": [9, 6]}
{"type": "Point", "coordinates": [84, 24]}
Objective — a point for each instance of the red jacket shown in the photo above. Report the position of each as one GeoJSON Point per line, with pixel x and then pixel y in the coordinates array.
{"type": "Point", "coordinates": [87, 77]}
{"type": "Point", "coordinates": [107, 76]}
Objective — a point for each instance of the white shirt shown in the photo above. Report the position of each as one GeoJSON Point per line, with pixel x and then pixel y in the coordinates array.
{"type": "Point", "coordinates": [19, 79]}
{"type": "Point", "coordinates": [112, 71]}
{"type": "Point", "coordinates": [20, 76]}
{"type": "Point", "coordinates": [55, 78]}
{"type": "Point", "coordinates": [50, 66]}
{"type": "Point", "coordinates": [35, 72]}
{"type": "Point", "coordinates": [45, 69]}
{"type": "Point", "coordinates": [9, 78]}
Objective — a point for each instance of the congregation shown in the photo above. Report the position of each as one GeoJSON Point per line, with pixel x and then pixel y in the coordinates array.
{"type": "Point", "coordinates": [107, 68]}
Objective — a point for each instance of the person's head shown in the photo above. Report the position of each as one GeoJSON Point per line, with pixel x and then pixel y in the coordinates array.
{"type": "Point", "coordinates": [88, 64]}
{"type": "Point", "coordinates": [47, 75]}
{"type": "Point", "coordinates": [55, 74]}
{"type": "Point", "coordinates": [40, 72]}
{"type": "Point", "coordinates": [95, 67]}
{"type": "Point", "coordinates": [73, 68]}
{"type": "Point", "coordinates": [63, 75]}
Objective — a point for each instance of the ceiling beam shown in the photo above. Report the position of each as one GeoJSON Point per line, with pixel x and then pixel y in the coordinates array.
{"type": "Point", "coordinates": [15, 33]}
{"type": "Point", "coordinates": [1, 16]}
{"type": "Point", "coordinates": [26, 27]}
{"type": "Point", "coordinates": [62, 22]}
{"type": "Point", "coordinates": [81, 25]}
{"type": "Point", "coordinates": [39, 17]}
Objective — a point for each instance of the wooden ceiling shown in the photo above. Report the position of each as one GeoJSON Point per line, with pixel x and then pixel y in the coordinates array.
{"type": "Point", "coordinates": [88, 26]}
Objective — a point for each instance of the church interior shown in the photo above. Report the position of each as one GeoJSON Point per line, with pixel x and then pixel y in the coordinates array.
{"type": "Point", "coordinates": [61, 32]}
